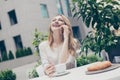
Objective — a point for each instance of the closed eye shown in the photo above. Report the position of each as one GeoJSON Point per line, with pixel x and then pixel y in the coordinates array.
{"type": "Point", "coordinates": [53, 19]}
{"type": "Point", "coordinates": [61, 20]}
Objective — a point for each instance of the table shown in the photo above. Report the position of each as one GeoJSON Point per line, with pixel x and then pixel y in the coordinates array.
{"type": "Point", "coordinates": [79, 74]}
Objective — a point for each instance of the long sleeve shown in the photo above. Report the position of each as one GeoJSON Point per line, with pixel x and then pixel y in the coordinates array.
{"type": "Point", "coordinates": [52, 56]}
{"type": "Point", "coordinates": [66, 57]}
{"type": "Point", "coordinates": [43, 55]}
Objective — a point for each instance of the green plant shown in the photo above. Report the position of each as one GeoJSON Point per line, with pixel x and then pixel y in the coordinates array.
{"type": "Point", "coordinates": [23, 52]}
{"type": "Point", "coordinates": [33, 73]}
{"type": "Point", "coordinates": [29, 51]}
{"type": "Point", "coordinates": [18, 53]}
{"type": "Point", "coordinates": [38, 37]}
{"type": "Point", "coordinates": [7, 75]}
{"type": "Point", "coordinates": [87, 59]}
{"type": "Point", "coordinates": [11, 56]}
{"type": "Point", "coordinates": [101, 16]}
{"type": "Point", "coordinates": [4, 56]}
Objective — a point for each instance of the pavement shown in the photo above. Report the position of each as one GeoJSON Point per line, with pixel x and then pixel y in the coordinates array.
{"type": "Point", "coordinates": [23, 71]}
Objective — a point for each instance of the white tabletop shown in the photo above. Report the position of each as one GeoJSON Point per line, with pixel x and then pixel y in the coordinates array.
{"type": "Point", "coordinates": [79, 73]}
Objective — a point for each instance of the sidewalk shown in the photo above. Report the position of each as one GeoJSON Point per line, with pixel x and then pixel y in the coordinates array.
{"type": "Point", "coordinates": [22, 71]}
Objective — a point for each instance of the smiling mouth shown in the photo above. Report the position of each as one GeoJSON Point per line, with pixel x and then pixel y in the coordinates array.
{"type": "Point", "coordinates": [56, 25]}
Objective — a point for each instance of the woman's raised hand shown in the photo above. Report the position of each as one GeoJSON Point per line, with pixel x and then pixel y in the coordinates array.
{"type": "Point", "coordinates": [66, 31]}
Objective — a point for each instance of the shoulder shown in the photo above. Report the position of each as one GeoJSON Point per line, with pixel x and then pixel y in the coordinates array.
{"type": "Point", "coordinates": [43, 44]}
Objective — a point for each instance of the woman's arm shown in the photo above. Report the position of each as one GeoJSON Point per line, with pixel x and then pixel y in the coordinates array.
{"type": "Point", "coordinates": [65, 56]}
{"type": "Point", "coordinates": [47, 66]}
{"type": "Point", "coordinates": [64, 52]}
{"type": "Point", "coordinates": [43, 54]}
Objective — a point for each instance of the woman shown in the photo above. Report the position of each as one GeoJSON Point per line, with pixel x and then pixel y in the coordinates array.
{"type": "Point", "coordinates": [60, 48]}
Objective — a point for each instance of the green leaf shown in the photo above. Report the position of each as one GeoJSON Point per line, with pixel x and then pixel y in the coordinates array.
{"type": "Point", "coordinates": [104, 14]}
{"type": "Point", "coordinates": [88, 20]}
{"type": "Point", "coordinates": [115, 2]}
{"type": "Point", "coordinates": [108, 7]}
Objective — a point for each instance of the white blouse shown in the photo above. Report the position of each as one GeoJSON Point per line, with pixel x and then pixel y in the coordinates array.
{"type": "Point", "coordinates": [51, 55]}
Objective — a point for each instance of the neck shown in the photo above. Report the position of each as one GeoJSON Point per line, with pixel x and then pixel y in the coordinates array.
{"type": "Point", "coordinates": [57, 39]}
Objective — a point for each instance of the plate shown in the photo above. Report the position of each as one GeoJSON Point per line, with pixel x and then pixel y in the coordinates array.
{"type": "Point", "coordinates": [113, 66]}
{"type": "Point", "coordinates": [60, 74]}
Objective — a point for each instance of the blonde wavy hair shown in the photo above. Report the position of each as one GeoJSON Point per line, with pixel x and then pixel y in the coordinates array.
{"type": "Point", "coordinates": [71, 41]}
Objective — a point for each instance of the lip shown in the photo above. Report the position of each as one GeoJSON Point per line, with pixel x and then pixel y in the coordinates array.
{"type": "Point", "coordinates": [56, 25]}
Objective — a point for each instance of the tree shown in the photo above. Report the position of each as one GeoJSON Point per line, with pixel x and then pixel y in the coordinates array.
{"type": "Point", "coordinates": [101, 15]}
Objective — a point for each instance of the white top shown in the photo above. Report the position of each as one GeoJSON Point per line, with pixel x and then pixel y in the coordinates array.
{"type": "Point", "coordinates": [49, 55]}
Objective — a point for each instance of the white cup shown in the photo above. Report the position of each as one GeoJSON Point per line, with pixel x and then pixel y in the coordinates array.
{"type": "Point", "coordinates": [60, 68]}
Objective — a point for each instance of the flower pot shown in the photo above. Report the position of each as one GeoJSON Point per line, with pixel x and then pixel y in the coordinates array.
{"type": "Point", "coordinates": [114, 51]}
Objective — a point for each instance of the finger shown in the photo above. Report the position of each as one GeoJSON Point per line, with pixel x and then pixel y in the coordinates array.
{"type": "Point", "coordinates": [47, 66]}
{"type": "Point", "coordinates": [51, 64]}
{"type": "Point", "coordinates": [52, 68]}
{"type": "Point", "coordinates": [56, 29]}
{"type": "Point", "coordinates": [51, 73]}
{"type": "Point", "coordinates": [66, 29]}
{"type": "Point", "coordinates": [48, 72]}
{"type": "Point", "coordinates": [65, 26]}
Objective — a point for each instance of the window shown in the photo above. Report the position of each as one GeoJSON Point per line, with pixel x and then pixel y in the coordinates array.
{"type": "Point", "coordinates": [44, 11]}
{"type": "Point", "coordinates": [2, 48]}
{"type": "Point", "coordinates": [12, 17]}
{"type": "Point", "coordinates": [59, 6]}
{"type": "Point", "coordinates": [0, 25]}
{"type": "Point", "coordinates": [18, 42]}
{"type": "Point", "coordinates": [68, 8]}
{"type": "Point", "coordinates": [76, 32]}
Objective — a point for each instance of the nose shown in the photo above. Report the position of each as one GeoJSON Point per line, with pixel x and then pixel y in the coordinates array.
{"type": "Point", "coordinates": [56, 22]}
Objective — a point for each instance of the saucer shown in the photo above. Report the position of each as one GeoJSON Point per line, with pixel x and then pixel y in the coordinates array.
{"type": "Point", "coordinates": [60, 74]}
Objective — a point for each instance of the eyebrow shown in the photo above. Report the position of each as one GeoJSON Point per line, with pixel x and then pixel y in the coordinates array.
{"type": "Point", "coordinates": [58, 18]}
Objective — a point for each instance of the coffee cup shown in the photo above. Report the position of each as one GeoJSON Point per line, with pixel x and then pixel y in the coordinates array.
{"type": "Point", "coordinates": [60, 68]}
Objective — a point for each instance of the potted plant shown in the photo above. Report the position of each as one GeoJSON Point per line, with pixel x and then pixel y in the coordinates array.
{"type": "Point", "coordinates": [103, 16]}
{"type": "Point", "coordinates": [7, 75]}
{"type": "Point", "coordinates": [38, 37]}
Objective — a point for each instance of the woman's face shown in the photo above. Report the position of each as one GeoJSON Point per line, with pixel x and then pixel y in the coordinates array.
{"type": "Point", "coordinates": [56, 23]}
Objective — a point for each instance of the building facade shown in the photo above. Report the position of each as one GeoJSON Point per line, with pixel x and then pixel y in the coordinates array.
{"type": "Point", "coordinates": [19, 18]}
